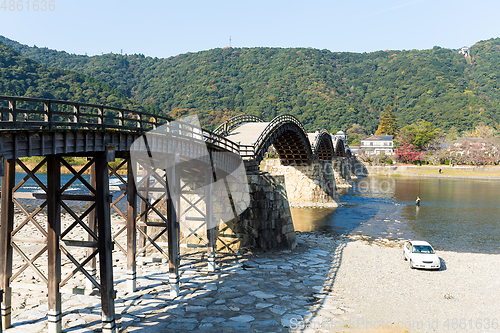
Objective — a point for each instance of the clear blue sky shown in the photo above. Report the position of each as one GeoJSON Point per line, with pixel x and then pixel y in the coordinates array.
{"type": "Point", "coordinates": [167, 28]}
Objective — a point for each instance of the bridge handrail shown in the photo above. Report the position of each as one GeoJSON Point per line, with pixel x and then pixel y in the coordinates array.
{"type": "Point", "coordinates": [235, 122]}
{"type": "Point", "coordinates": [75, 117]}
{"type": "Point", "coordinates": [121, 119]}
{"type": "Point", "coordinates": [273, 124]}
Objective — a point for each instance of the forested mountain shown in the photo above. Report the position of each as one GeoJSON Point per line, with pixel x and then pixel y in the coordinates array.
{"type": "Point", "coordinates": [21, 76]}
{"type": "Point", "coordinates": [322, 88]}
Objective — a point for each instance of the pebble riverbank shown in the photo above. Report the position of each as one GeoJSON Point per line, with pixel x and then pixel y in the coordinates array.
{"type": "Point", "coordinates": [326, 284]}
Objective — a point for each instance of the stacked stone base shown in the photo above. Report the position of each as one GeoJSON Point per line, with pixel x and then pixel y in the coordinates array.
{"type": "Point", "coordinates": [266, 224]}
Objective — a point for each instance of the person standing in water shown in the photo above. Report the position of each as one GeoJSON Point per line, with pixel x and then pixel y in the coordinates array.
{"type": "Point", "coordinates": [417, 202]}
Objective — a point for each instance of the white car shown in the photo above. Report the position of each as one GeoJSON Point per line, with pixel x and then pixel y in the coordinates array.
{"type": "Point", "coordinates": [421, 255]}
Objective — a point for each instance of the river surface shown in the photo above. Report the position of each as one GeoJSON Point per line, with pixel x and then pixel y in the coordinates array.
{"type": "Point", "coordinates": [461, 215]}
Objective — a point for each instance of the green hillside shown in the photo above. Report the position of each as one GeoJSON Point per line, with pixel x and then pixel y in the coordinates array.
{"type": "Point", "coordinates": [21, 76]}
{"type": "Point", "coordinates": [322, 88]}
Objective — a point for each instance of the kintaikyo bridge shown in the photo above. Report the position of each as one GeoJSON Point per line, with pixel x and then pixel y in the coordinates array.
{"type": "Point", "coordinates": [178, 186]}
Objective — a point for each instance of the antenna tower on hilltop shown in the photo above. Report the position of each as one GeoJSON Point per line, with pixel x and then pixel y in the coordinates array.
{"type": "Point", "coordinates": [229, 41]}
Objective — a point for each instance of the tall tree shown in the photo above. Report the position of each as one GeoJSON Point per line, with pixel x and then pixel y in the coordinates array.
{"type": "Point", "coordinates": [420, 135]}
{"type": "Point", "coordinates": [388, 123]}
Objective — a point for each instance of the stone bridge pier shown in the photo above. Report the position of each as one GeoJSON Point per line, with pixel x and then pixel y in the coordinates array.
{"type": "Point", "coordinates": [311, 185]}
{"type": "Point", "coordinates": [344, 171]}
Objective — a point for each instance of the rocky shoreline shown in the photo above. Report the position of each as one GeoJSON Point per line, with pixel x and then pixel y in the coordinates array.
{"type": "Point", "coordinates": [324, 284]}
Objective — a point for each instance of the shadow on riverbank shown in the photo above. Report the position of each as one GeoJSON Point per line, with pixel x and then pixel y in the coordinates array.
{"type": "Point", "coordinates": [265, 292]}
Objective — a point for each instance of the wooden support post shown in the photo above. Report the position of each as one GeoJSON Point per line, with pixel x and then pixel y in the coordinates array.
{"type": "Point", "coordinates": [12, 111]}
{"type": "Point", "coordinates": [76, 114]}
{"type": "Point", "coordinates": [53, 234]}
{"type": "Point", "coordinates": [1, 296]}
{"type": "Point", "coordinates": [131, 227]}
{"type": "Point", "coordinates": [100, 116]}
{"type": "Point", "coordinates": [92, 267]}
{"type": "Point", "coordinates": [6, 227]}
{"type": "Point", "coordinates": [209, 216]}
{"type": "Point", "coordinates": [103, 200]}
{"type": "Point", "coordinates": [144, 208]}
{"type": "Point", "coordinates": [47, 116]}
{"type": "Point", "coordinates": [120, 118]}
{"type": "Point", "coordinates": [173, 206]}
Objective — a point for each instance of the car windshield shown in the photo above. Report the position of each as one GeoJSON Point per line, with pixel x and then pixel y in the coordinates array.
{"type": "Point", "coordinates": [422, 249]}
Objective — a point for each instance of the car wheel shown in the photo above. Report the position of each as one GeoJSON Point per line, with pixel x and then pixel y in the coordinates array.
{"type": "Point", "coordinates": [404, 257]}
{"type": "Point", "coordinates": [411, 265]}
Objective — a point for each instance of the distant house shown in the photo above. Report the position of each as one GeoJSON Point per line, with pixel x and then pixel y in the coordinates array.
{"type": "Point", "coordinates": [377, 144]}
{"type": "Point", "coordinates": [465, 51]}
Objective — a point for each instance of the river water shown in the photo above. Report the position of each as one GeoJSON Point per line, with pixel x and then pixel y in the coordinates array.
{"type": "Point", "coordinates": [461, 215]}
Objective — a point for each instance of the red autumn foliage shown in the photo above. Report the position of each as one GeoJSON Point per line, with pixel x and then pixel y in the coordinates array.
{"type": "Point", "coordinates": [408, 153]}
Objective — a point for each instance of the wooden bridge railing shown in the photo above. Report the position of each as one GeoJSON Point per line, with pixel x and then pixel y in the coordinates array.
{"type": "Point", "coordinates": [22, 113]}
{"type": "Point", "coordinates": [26, 112]}
{"type": "Point", "coordinates": [247, 151]}
{"type": "Point", "coordinates": [235, 121]}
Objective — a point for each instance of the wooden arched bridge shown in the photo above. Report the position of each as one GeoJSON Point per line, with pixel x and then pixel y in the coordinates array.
{"type": "Point", "coordinates": [56, 130]}
{"type": "Point", "coordinates": [293, 144]}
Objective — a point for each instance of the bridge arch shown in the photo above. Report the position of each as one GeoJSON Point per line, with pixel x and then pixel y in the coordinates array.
{"type": "Point", "coordinates": [323, 146]}
{"type": "Point", "coordinates": [289, 138]}
{"type": "Point", "coordinates": [284, 132]}
{"type": "Point", "coordinates": [340, 150]}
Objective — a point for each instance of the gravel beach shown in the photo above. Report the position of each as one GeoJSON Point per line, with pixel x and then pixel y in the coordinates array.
{"type": "Point", "coordinates": [326, 284]}
{"type": "Point", "coordinates": [463, 296]}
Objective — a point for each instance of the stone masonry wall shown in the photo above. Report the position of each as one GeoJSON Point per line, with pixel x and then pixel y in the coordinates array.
{"type": "Point", "coordinates": [306, 186]}
{"type": "Point", "coordinates": [266, 224]}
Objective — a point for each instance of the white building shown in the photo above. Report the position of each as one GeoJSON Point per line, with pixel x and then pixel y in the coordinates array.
{"type": "Point", "coordinates": [377, 144]}
{"type": "Point", "coordinates": [339, 135]}
{"type": "Point", "coordinates": [465, 51]}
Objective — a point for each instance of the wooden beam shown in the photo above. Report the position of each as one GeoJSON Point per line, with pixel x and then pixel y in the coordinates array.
{"type": "Point", "coordinates": [173, 210]}
{"type": "Point", "coordinates": [131, 228]}
{"type": "Point", "coordinates": [6, 227]}
{"type": "Point", "coordinates": [92, 226]}
{"type": "Point", "coordinates": [54, 254]}
{"type": "Point", "coordinates": [209, 215]}
{"type": "Point", "coordinates": [103, 199]}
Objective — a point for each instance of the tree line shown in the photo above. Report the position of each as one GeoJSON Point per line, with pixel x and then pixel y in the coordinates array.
{"type": "Point", "coordinates": [332, 90]}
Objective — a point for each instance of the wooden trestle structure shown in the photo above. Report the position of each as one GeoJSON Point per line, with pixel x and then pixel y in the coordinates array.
{"type": "Point", "coordinates": [143, 200]}
{"type": "Point", "coordinates": [96, 222]}
{"type": "Point", "coordinates": [194, 159]}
